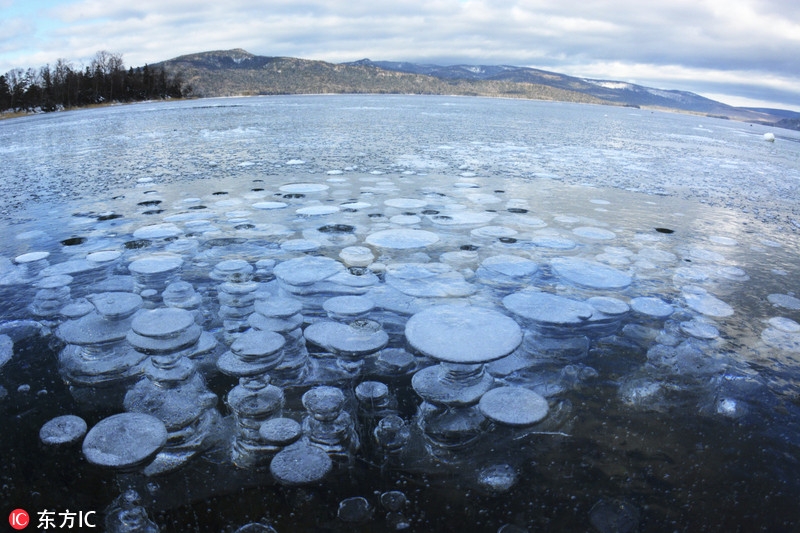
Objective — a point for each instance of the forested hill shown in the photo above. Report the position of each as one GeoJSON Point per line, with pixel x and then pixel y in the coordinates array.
{"type": "Point", "coordinates": [64, 86]}
{"type": "Point", "coordinates": [238, 72]}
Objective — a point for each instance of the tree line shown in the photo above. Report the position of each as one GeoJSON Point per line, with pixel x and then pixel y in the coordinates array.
{"type": "Point", "coordinates": [104, 80]}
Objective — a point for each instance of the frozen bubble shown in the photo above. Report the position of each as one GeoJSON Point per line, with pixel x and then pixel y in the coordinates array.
{"type": "Point", "coordinates": [497, 479]}
{"type": "Point", "coordinates": [355, 206]}
{"type": "Point", "coordinates": [700, 329]}
{"type": "Point", "coordinates": [393, 500]}
{"type": "Point", "coordinates": [252, 353]}
{"type": "Point", "coordinates": [599, 234]}
{"type": "Point", "coordinates": [53, 282]}
{"type": "Point", "coordinates": [402, 239]}
{"type": "Point", "coordinates": [700, 300]}
{"type": "Point", "coordinates": [348, 306]}
{"type": "Point", "coordinates": [553, 242]}
{"type": "Point", "coordinates": [300, 245]}
{"type": "Point", "coordinates": [779, 337]}
{"type": "Point", "coordinates": [724, 241]}
{"type": "Point", "coordinates": [406, 203]}
{"type": "Point", "coordinates": [31, 257]}
{"type": "Point", "coordinates": [706, 255]}
{"type": "Point", "coordinates": [270, 205]}
{"type": "Point", "coordinates": [104, 256]}
{"type": "Point", "coordinates": [405, 220]}
{"type": "Point", "coordinates": [609, 306]}
{"type": "Point", "coordinates": [317, 210]}
{"type": "Point", "coordinates": [280, 431]}
{"type": "Point", "coordinates": [356, 256]}
{"type": "Point", "coordinates": [598, 201]}
{"type": "Point", "coordinates": [124, 440]}
{"type": "Point", "coordinates": [162, 323]}
{"type": "Point", "coordinates": [784, 300]}
{"type": "Point", "coordinates": [510, 265]}
{"type": "Point", "coordinates": [462, 218]}
{"type": "Point", "coordinates": [6, 349]}
{"type": "Point", "coordinates": [307, 270]}
{"type": "Point", "coordinates": [463, 334]}
{"type": "Point", "coordinates": [657, 256]}
{"type": "Point", "coordinates": [784, 324]}
{"type": "Point", "coordinates": [546, 308]}
{"type": "Point", "coordinates": [115, 305]}
{"type": "Point", "coordinates": [614, 516]}
{"type": "Point", "coordinates": [513, 406]}
{"type": "Point", "coordinates": [651, 306]}
{"type": "Point", "coordinates": [640, 392]}
{"type": "Point", "coordinates": [428, 280]}
{"type": "Point", "coordinates": [354, 510]}
{"type": "Point", "coordinates": [63, 430]}
{"type": "Point", "coordinates": [157, 264]}
{"type": "Point", "coordinates": [255, 527]}
{"type": "Point", "coordinates": [295, 162]}
{"type": "Point", "coordinates": [361, 337]}
{"type": "Point", "coordinates": [157, 231]}
{"type": "Point", "coordinates": [303, 188]}
{"type": "Point", "coordinates": [494, 231]}
{"type": "Point", "coordinates": [300, 464]}
{"type": "Point", "coordinates": [590, 274]}
{"type": "Point", "coordinates": [732, 273]}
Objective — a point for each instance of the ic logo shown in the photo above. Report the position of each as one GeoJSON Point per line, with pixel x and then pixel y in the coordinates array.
{"type": "Point", "coordinates": [19, 519]}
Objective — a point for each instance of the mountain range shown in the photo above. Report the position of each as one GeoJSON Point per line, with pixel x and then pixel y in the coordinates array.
{"type": "Point", "coordinates": [238, 72]}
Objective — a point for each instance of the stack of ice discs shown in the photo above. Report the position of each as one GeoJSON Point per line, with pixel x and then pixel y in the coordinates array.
{"type": "Point", "coordinates": [164, 331]}
{"type": "Point", "coordinates": [53, 294]}
{"type": "Point", "coordinates": [83, 272]}
{"type": "Point", "coordinates": [152, 274]}
{"type": "Point", "coordinates": [283, 315]}
{"type": "Point", "coordinates": [33, 263]}
{"type": "Point", "coordinates": [607, 317]}
{"type": "Point", "coordinates": [253, 353]}
{"type": "Point", "coordinates": [96, 354]}
{"type": "Point", "coordinates": [348, 308]}
{"type": "Point", "coordinates": [313, 279]}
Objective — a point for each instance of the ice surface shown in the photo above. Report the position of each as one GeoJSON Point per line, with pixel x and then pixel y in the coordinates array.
{"type": "Point", "coordinates": [124, 440]}
{"type": "Point", "coordinates": [590, 274]}
{"type": "Point", "coordinates": [461, 334]}
{"type": "Point", "coordinates": [428, 280]}
{"type": "Point", "coordinates": [402, 239]}
{"type": "Point", "coordinates": [513, 406]}
{"type": "Point", "coordinates": [64, 429]}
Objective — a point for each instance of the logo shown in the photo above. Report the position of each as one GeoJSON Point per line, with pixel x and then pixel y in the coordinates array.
{"type": "Point", "coordinates": [19, 519]}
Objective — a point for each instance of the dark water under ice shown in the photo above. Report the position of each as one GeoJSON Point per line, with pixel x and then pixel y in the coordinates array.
{"type": "Point", "coordinates": [640, 434]}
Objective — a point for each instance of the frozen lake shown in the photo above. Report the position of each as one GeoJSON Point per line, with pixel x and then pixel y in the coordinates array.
{"type": "Point", "coordinates": [626, 280]}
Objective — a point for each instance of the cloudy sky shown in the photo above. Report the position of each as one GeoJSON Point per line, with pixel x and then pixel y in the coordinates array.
{"type": "Point", "coordinates": [742, 52]}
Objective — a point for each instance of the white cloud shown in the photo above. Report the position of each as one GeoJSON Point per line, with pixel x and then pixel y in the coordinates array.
{"type": "Point", "coordinates": [671, 41]}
